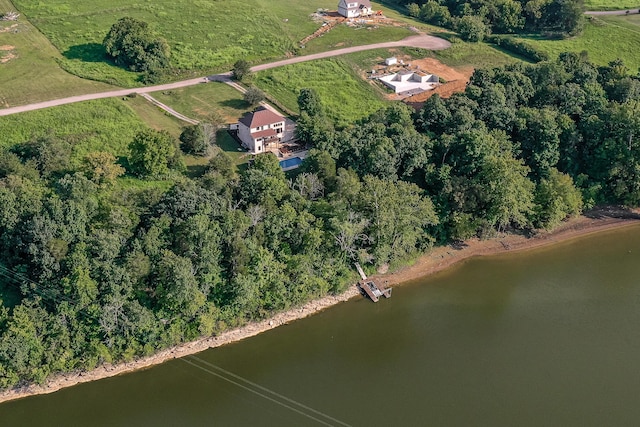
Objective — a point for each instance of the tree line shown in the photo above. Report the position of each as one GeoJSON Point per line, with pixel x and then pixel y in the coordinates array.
{"type": "Point", "coordinates": [93, 271]}
{"type": "Point", "coordinates": [523, 146]}
{"type": "Point", "coordinates": [474, 19]}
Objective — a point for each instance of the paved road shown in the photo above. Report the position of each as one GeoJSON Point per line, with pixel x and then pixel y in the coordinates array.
{"type": "Point", "coordinates": [613, 12]}
{"type": "Point", "coordinates": [422, 41]}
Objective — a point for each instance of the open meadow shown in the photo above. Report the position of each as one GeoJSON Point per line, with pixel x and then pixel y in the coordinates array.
{"type": "Point", "coordinates": [29, 69]}
{"type": "Point", "coordinates": [346, 97]}
{"type": "Point", "coordinates": [604, 38]}
{"type": "Point", "coordinates": [100, 125]}
{"type": "Point", "coordinates": [203, 36]}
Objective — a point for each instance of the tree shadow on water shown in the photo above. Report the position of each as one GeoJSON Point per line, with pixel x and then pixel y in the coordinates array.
{"type": "Point", "coordinates": [88, 52]}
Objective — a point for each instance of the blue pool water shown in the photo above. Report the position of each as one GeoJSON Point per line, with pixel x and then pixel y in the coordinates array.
{"type": "Point", "coordinates": [290, 163]}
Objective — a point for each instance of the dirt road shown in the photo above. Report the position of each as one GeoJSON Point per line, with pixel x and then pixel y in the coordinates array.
{"type": "Point", "coordinates": [613, 12]}
{"type": "Point", "coordinates": [421, 41]}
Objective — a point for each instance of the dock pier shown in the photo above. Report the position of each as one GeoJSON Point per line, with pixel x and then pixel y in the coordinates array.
{"type": "Point", "coordinates": [370, 289]}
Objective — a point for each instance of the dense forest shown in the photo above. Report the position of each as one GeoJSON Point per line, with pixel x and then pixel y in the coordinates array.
{"type": "Point", "coordinates": [94, 272]}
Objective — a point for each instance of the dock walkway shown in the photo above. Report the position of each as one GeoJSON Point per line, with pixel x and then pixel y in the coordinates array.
{"type": "Point", "coordinates": [370, 289]}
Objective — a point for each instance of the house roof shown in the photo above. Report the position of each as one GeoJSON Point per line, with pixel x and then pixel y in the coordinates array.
{"type": "Point", "coordinates": [260, 117]}
{"type": "Point", "coordinates": [263, 133]}
{"type": "Point", "coordinates": [361, 4]}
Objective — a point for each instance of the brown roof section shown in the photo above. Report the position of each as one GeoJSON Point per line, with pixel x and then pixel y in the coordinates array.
{"type": "Point", "coordinates": [263, 133]}
{"type": "Point", "coordinates": [260, 117]}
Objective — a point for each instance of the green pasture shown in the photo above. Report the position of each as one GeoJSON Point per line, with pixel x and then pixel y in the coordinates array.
{"type": "Point", "coordinates": [478, 55]}
{"type": "Point", "coordinates": [604, 38]}
{"type": "Point", "coordinates": [100, 125]}
{"type": "Point", "coordinates": [154, 117]}
{"type": "Point", "coordinates": [345, 96]}
{"type": "Point", "coordinates": [33, 73]}
{"type": "Point", "coordinates": [204, 35]}
{"type": "Point", "coordinates": [611, 4]}
{"type": "Point", "coordinates": [343, 36]}
{"type": "Point", "coordinates": [206, 100]}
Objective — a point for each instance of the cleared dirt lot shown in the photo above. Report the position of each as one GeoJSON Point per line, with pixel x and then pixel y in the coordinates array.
{"type": "Point", "coordinates": [456, 80]}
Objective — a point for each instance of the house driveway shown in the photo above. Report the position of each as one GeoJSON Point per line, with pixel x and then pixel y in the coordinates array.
{"type": "Point", "coordinates": [422, 41]}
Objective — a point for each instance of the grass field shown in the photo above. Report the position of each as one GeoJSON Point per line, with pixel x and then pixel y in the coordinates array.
{"type": "Point", "coordinates": [100, 125]}
{"type": "Point", "coordinates": [477, 55]}
{"type": "Point", "coordinates": [203, 35]}
{"type": "Point", "coordinates": [611, 4]}
{"type": "Point", "coordinates": [604, 38]}
{"type": "Point", "coordinates": [31, 72]}
{"type": "Point", "coordinates": [343, 36]}
{"type": "Point", "coordinates": [201, 101]}
{"type": "Point", "coordinates": [345, 96]}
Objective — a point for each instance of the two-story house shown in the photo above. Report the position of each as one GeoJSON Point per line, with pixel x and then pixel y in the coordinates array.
{"type": "Point", "coordinates": [353, 9]}
{"type": "Point", "coordinates": [260, 128]}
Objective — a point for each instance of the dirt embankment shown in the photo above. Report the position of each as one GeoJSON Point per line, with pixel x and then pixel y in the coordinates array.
{"type": "Point", "coordinates": [437, 260]}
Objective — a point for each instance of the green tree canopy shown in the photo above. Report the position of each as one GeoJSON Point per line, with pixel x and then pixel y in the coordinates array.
{"type": "Point", "coordinates": [253, 96]}
{"type": "Point", "coordinates": [132, 44]}
{"type": "Point", "coordinates": [151, 153]}
{"type": "Point", "coordinates": [241, 69]}
{"type": "Point", "coordinates": [193, 140]}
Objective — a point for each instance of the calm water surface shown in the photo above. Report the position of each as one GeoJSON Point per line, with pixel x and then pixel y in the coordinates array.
{"type": "Point", "coordinates": [544, 338]}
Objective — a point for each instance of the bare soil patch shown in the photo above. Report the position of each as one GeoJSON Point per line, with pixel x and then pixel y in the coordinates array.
{"type": "Point", "coordinates": [456, 80]}
{"type": "Point", "coordinates": [9, 55]}
{"type": "Point", "coordinates": [432, 65]}
{"type": "Point", "coordinates": [9, 28]}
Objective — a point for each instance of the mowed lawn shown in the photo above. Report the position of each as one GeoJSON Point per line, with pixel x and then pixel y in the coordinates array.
{"type": "Point", "coordinates": [204, 101]}
{"type": "Point", "coordinates": [203, 35]}
{"type": "Point", "coordinates": [604, 38]}
{"type": "Point", "coordinates": [29, 71]}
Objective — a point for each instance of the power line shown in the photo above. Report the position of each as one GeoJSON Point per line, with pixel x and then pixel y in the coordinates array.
{"type": "Point", "coordinates": [267, 391]}
{"type": "Point", "coordinates": [14, 276]}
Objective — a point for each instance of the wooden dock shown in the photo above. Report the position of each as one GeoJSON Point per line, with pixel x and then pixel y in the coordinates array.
{"type": "Point", "coordinates": [370, 289]}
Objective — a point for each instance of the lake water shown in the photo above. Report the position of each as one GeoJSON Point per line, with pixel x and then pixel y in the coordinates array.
{"type": "Point", "coordinates": [543, 338]}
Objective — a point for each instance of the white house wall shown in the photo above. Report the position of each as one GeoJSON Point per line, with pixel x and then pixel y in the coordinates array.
{"type": "Point", "coordinates": [245, 136]}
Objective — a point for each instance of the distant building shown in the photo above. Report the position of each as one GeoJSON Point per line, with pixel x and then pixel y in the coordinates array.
{"type": "Point", "coordinates": [260, 128]}
{"type": "Point", "coordinates": [354, 9]}
{"type": "Point", "coordinates": [407, 81]}
{"type": "Point", "coordinates": [391, 61]}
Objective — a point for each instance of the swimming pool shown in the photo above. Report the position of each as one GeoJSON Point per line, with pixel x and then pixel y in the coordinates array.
{"type": "Point", "coordinates": [291, 163]}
